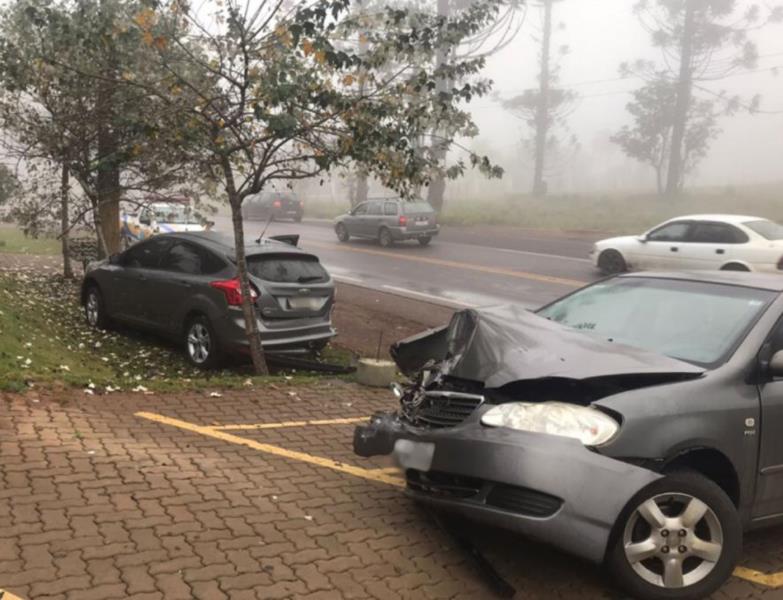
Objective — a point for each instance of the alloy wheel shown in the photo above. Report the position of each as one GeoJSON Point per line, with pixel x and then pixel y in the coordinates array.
{"type": "Point", "coordinates": [92, 309]}
{"type": "Point", "coordinates": [199, 343]}
{"type": "Point", "coordinates": [673, 540]}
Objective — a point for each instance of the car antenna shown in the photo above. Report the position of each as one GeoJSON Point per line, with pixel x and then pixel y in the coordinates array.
{"type": "Point", "coordinates": [268, 222]}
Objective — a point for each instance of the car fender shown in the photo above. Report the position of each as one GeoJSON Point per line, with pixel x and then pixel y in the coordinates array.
{"type": "Point", "coordinates": [735, 261]}
{"type": "Point", "coordinates": [200, 303]}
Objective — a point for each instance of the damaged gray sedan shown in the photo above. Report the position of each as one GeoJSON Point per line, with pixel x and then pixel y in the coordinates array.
{"type": "Point", "coordinates": [634, 423]}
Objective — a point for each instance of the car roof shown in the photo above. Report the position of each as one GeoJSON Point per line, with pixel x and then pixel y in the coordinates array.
{"type": "Point", "coordinates": [720, 218]}
{"type": "Point", "coordinates": [763, 281]}
{"type": "Point", "coordinates": [221, 242]}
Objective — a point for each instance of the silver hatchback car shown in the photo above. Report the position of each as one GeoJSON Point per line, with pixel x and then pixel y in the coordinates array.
{"type": "Point", "coordinates": [388, 221]}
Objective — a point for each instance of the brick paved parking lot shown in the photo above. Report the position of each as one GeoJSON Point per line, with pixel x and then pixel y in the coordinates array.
{"type": "Point", "coordinates": [244, 496]}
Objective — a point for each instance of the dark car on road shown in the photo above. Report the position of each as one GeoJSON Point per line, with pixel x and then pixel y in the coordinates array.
{"type": "Point", "coordinates": [185, 286]}
{"type": "Point", "coordinates": [636, 423]}
{"type": "Point", "coordinates": [389, 221]}
{"type": "Point", "coordinates": [274, 205]}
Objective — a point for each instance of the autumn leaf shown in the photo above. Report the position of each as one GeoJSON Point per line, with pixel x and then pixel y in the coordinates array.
{"type": "Point", "coordinates": [307, 47]}
{"type": "Point", "coordinates": [160, 42]}
{"type": "Point", "coordinates": [148, 39]}
{"type": "Point", "coordinates": [320, 57]}
{"type": "Point", "coordinates": [145, 19]}
{"type": "Point", "coordinates": [348, 80]}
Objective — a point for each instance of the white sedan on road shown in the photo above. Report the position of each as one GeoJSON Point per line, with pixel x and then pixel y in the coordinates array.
{"type": "Point", "coordinates": [711, 242]}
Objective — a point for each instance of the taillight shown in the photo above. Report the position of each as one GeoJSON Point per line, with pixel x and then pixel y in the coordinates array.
{"type": "Point", "coordinates": [403, 220]}
{"type": "Point", "coordinates": [277, 204]}
{"type": "Point", "coordinates": [231, 289]}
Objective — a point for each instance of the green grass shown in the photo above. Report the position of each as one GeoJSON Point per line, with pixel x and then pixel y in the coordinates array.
{"type": "Point", "coordinates": [594, 212]}
{"type": "Point", "coordinates": [615, 213]}
{"type": "Point", "coordinates": [14, 241]}
{"type": "Point", "coordinates": [44, 341]}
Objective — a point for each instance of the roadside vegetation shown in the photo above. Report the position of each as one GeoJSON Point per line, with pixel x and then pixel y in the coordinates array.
{"type": "Point", "coordinates": [14, 241]}
{"type": "Point", "coordinates": [44, 341]}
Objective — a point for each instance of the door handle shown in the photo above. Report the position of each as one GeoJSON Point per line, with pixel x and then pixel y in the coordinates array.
{"type": "Point", "coordinates": [674, 249]}
{"type": "Point", "coordinates": [720, 251]}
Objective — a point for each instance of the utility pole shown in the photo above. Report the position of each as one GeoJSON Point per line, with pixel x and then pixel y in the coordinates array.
{"type": "Point", "coordinates": [684, 92]}
{"type": "Point", "coordinates": [542, 111]}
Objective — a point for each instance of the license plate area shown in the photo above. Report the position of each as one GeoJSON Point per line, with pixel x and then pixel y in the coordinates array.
{"type": "Point", "coordinates": [305, 303]}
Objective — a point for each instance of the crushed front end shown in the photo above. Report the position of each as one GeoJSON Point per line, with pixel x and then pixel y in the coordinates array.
{"type": "Point", "coordinates": [553, 488]}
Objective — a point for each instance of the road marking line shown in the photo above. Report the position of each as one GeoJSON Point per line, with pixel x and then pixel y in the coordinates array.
{"type": "Point", "coordinates": [318, 461]}
{"type": "Point", "coordinates": [456, 265]}
{"type": "Point", "coordinates": [772, 580]}
{"type": "Point", "coordinates": [4, 595]}
{"type": "Point", "coordinates": [283, 424]}
{"type": "Point", "coordinates": [388, 475]}
{"type": "Point", "coordinates": [513, 251]}
{"type": "Point", "coordinates": [438, 299]}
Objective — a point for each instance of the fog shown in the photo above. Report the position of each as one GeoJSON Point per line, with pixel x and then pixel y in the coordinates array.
{"type": "Point", "coordinates": [601, 35]}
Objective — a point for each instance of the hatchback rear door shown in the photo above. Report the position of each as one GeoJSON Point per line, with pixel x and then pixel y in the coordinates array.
{"type": "Point", "coordinates": [290, 285]}
{"type": "Point", "coordinates": [419, 215]}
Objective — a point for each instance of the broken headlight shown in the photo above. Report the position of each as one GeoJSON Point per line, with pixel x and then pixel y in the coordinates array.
{"type": "Point", "coordinates": [588, 425]}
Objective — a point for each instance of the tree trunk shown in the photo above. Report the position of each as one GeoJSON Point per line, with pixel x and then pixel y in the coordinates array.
{"type": "Point", "coordinates": [108, 176]}
{"type": "Point", "coordinates": [440, 149]}
{"type": "Point", "coordinates": [248, 308]}
{"type": "Point", "coordinates": [64, 222]}
{"type": "Point", "coordinates": [362, 187]}
{"type": "Point", "coordinates": [674, 180]}
{"type": "Point", "coordinates": [542, 110]}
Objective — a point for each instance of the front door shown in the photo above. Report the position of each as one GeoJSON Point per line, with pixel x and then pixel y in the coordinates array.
{"type": "Point", "coordinates": [128, 295]}
{"type": "Point", "coordinates": [769, 490]}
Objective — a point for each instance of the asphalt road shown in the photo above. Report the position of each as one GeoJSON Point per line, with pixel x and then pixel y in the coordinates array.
{"type": "Point", "coordinates": [463, 267]}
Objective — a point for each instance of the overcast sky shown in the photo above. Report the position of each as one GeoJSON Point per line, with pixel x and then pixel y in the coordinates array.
{"type": "Point", "coordinates": [603, 33]}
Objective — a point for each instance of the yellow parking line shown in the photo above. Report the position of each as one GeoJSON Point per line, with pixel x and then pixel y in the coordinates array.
{"type": "Point", "coordinates": [456, 265]}
{"type": "Point", "coordinates": [389, 476]}
{"type": "Point", "coordinates": [8, 595]}
{"type": "Point", "coordinates": [773, 580]}
{"type": "Point", "coordinates": [318, 461]}
{"type": "Point", "coordinates": [284, 424]}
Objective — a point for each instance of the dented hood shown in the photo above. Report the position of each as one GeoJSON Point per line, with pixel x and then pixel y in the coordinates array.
{"type": "Point", "coordinates": [501, 345]}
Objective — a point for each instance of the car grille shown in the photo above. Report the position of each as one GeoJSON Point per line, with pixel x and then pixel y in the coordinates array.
{"type": "Point", "coordinates": [443, 485]}
{"type": "Point", "coordinates": [509, 498]}
{"type": "Point", "coordinates": [523, 501]}
{"type": "Point", "coordinates": [439, 410]}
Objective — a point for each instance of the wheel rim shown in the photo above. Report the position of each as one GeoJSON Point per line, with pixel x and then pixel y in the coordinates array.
{"type": "Point", "coordinates": [341, 232]}
{"type": "Point", "coordinates": [385, 238]}
{"type": "Point", "coordinates": [673, 540]}
{"type": "Point", "coordinates": [92, 309]}
{"type": "Point", "coordinates": [199, 343]}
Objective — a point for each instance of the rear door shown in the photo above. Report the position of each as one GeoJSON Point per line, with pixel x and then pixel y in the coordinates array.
{"type": "Point", "coordinates": [129, 295]}
{"type": "Point", "coordinates": [663, 246]}
{"type": "Point", "coordinates": [711, 245]}
{"type": "Point", "coordinates": [290, 285]}
{"type": "Point", "coordinates": [185, 270]}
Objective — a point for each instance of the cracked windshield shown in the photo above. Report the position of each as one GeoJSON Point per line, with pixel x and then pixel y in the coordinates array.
{"type": "Point", "coordinates": [347, 298]}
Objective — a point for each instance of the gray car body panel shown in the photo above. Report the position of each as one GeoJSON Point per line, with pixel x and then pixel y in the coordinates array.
{"type": "Point", "coordinates": [368, 226]}
{"type": "Point", "coordinates": [585, 520]}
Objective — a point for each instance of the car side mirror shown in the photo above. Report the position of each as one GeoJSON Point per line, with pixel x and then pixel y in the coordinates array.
{"type": "Point", "coordinates": [114, 259]}
{"type": "Point", "coordinates": [642, 239]}
{"type": "Point", "coordinates": [775, 368]}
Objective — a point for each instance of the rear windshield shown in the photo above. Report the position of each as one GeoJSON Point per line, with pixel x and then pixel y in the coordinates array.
{"type": "Point", "coordinates": [766, 229]}
{"type": "Point", "coordinates": [417, 207]}
{"type": "Point", "coordinates": [280, 268]}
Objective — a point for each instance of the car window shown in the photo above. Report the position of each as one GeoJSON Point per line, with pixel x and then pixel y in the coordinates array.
{"type": "Point", "coordinates": [766, 229]}
{"type": "Point", "coordinates": [361, 209]}
{"type": "Point", "coordinates": [287, 268]}
{"type": "Point", "coordinates": [145, 255]}
{"type": "Point", "coordinates": [183, 257]}
{"type": "Point", "coordinates": [689, 320]}
{"type": "Point", "coordinates": [375, 208]}
{"type": "Point", "coordinates": [390, 209]}
{"type": "Point", "coordinates": [673, 232]}
{"type": "Point", "coordinates": [417, 207]}
{"type": "Point", "coordinates": [716, 233]}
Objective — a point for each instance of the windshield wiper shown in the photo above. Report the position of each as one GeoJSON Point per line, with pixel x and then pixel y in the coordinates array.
{"type": "Point", "coordinates": [308, 278]}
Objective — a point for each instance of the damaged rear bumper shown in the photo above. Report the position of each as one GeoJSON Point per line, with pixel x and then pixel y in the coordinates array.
{"type": "Point", "coordinates": [549, 488]}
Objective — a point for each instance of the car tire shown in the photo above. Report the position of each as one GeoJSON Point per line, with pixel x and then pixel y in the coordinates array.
{"type": "Point", "coordinates": [385, 238]}
{"type": "Point", "coordinates": [611, 262]}
{"type": "Point", "coordinates": [718, 533]}
{"type": "Point", "coordinates": [95, 308]}
{"type": "Point", "coordinates": [342, 232]}
{"type": "Point", "coordinates": [424, 241]}
{"type": "Point", "coordinates": [298, 218]}
{"type": "Point", "coordinates": [200, 342]}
